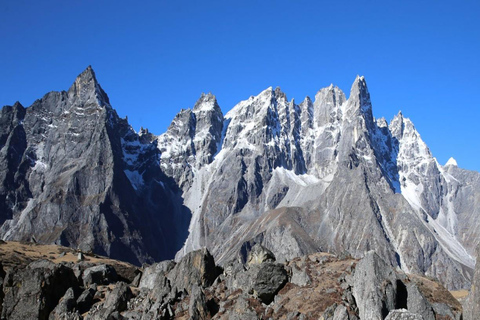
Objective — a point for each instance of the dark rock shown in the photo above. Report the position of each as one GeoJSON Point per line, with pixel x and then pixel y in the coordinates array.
{"type": "Point", "coordinates": [33, 292]}
{"type": "Point", "coordinates": [65, 307]}
{"type": "Point", "coordinates": [100, 274]}
{"type": "Point", "coordinates": [196, 268]}
{"type": "Point", "coordinates": [2, 277]}
{"type": "Point", "coordinates": [270, 278]}
{"type": "Point", "coordinates": [262, 280]}
{"type": "Point", "coordinates": [86, 299]}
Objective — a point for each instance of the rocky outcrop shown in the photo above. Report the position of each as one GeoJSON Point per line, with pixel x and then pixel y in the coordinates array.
{"type": "Point", "coordinates": [33, 292]}
{"type": "Point", "coordinates": [472, 305]}
{"type": "Point", "coordinates": [196, 288]}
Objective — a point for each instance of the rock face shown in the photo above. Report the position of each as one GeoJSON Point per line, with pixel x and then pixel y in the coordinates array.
{"type": "Point", "coordinates": [73, 173]}
{"type": "Point", "coordinates": [322, 175]}
{"type": "Point", "coordinates": [473, 302]}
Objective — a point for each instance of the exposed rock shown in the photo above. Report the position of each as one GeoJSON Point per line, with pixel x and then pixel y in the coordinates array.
{"type": "Point", "coordinates": [403, 314]}
{"type": "Point", "coordinates": [33, 292]}
{"type": "Point", "coordinates": [375, 288]}
{"type": "Point", "coordinates": [85, 300]}
{"type": "Point", "coordinates": [259, 254]}
{"type": "Point", "coordinates": [151, 274]}
{"type": "Point", "coordinates": [198, 307]}
{"type": "Point", "coordinates": [322, 175]}
{"type": "Point", "coordinates": [115, 302]}
{"type": "Point", "coordinates": [472, 306]}
{"type": "Point", "coordinates": [100, 274]}
{"type": "Point", "coordinates": [65, 307]}
{"type": "Point", "coordinates": [196, 268]}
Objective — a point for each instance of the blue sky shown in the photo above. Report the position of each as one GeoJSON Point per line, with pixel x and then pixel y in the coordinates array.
{"type": "Point", "coordinates": [421, 57]}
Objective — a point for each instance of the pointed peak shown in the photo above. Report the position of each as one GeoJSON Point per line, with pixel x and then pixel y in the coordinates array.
{"type": "Point", "coordinates": [307, 99]}
{"type": "Point", "coordinates": [17, 104]}
{"type": "Point", "coordinates": [88, 74]}
{"type": "Point", "coordinates": [206, 102]}
{"type": "Point", "coordinates": [360, 84]}
{"type": "Point", "coordinates": [87, 87]}
{"type": "Point", "coordinates": [451, 162]}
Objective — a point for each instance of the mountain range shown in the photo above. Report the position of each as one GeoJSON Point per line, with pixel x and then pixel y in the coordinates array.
{"type": "Point", "coordinates": [322, 175]}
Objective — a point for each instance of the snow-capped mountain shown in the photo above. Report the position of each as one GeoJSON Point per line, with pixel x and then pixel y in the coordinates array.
{"type": "Point", "coordinates": [325, 175]}
{"type": "Point", "coordinates": [322, 175]}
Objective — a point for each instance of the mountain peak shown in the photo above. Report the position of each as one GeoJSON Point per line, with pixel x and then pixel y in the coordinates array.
{"type": "Point", "coordinates": [206, 102]}
{"type": "Point", "coordinates": [86, 87]}
{"type": "Point", "coordinates": [451, 162]}
{"type": "Point", "coordinates": [88, 74]}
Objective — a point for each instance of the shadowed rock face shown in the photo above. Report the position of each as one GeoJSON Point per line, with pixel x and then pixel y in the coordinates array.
{"type": "Point", "coordinates": [73, 173]}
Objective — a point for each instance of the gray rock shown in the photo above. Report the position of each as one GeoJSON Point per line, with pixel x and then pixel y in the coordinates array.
{"type": "Point", "coordinates": [196, 268]}
{"type": "Point", "coordinates": [259, 254]}
{"type": "Point", "coordinates": [152, 273]}
{"type": "Point", "coordinates": [403, 314]}
{"type": "Point", "coordinates": [417, 303]}
{"type": "Point", "coordinates": [115, 302]}
{"type": "Point", "coordinates": [262, 280]}
{"type": "Point", "coordinates": [197, 308]}
{"type": "Point", "coordinates": [472, 305]}
{"type": "Point", "coordinates": [374, 287]}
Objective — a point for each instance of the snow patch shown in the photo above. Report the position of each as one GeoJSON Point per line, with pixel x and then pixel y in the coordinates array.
{"type": "Point", "coordinates": [451, 162]}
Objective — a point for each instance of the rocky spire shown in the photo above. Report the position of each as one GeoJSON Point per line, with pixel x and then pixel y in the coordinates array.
{"type": "Point", "coordinates": [87, 89]}
{"type": "Point", "coordinates": [358, 103]}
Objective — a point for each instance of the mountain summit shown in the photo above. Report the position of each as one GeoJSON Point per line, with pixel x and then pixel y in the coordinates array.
{"type": "Point", "coordinates": [322, 175]}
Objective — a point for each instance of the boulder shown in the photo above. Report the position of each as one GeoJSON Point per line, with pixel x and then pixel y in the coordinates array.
{"type": "Point", "coordinates": [65, 307]}
{"type": "Point", "coordinates": [152, 274]}
{"type": "Point", "coordinates": [33, 292]}
{"type": "Point", "coordinates": [259, 254]}
{"type": "Point", "coordinates": [197, 308]}
{"type": "Point", "coordinates": [196, 268]}
{"type": "Point", "coordinates": [262, 280]}
{"type": "Point", "coordinates": [375, 288]}
{"type": "Point", "coordinates": [101, 274]}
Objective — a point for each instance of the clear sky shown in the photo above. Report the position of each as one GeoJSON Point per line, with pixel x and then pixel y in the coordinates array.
{"type": "Point", "coordinates": [155, 57]}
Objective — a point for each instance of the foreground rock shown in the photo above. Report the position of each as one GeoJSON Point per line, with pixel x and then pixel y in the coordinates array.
{"type": "Point", "coordinates": [316, 286]}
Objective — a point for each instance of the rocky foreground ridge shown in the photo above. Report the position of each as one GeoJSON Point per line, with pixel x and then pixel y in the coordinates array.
{"type": "Point", "coordinates": [322, 175]}
{"type": "Point", "coordinates": [254, 286]}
